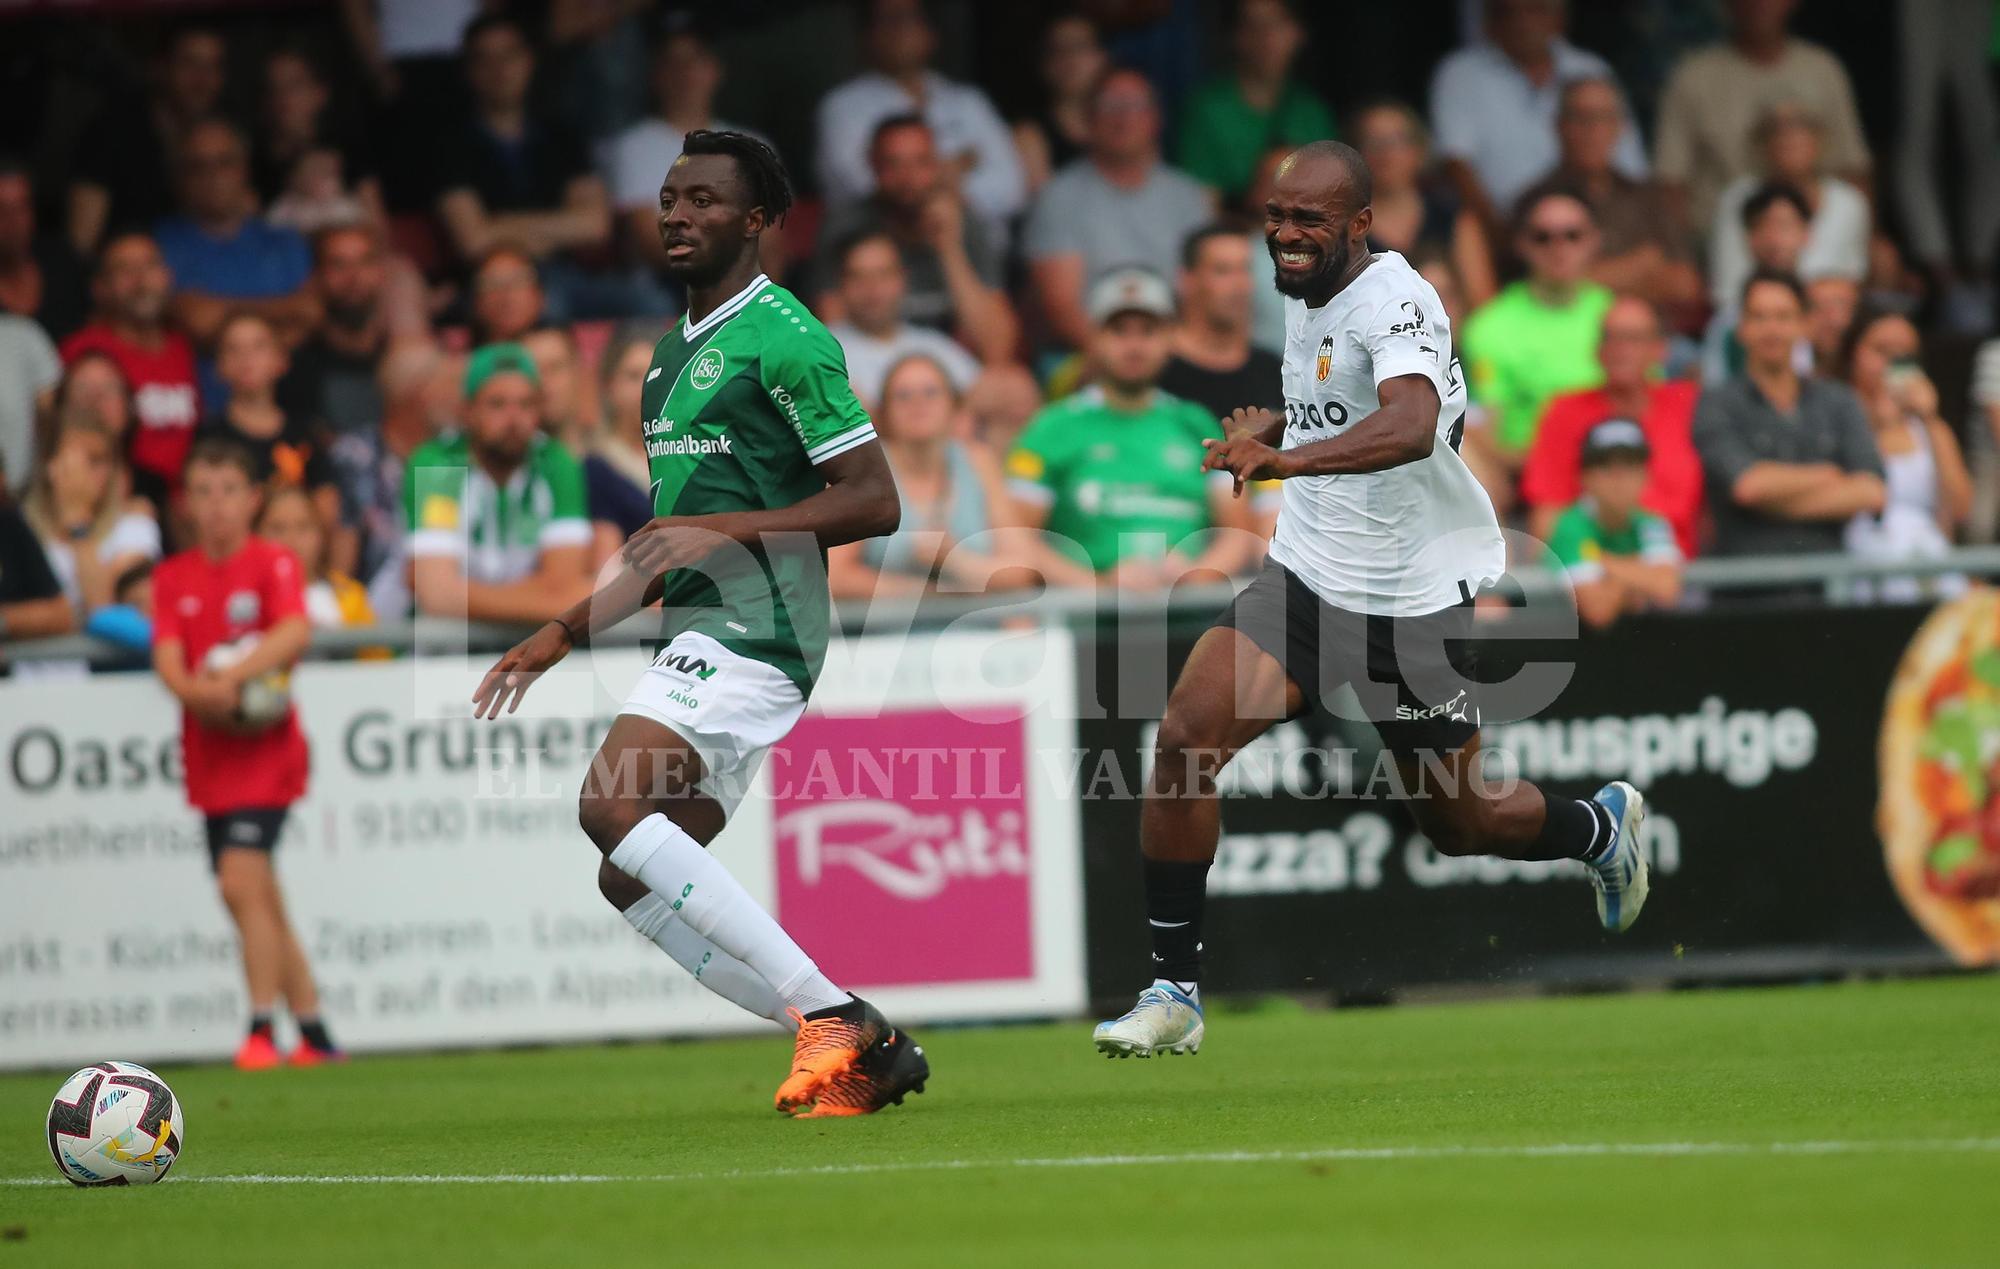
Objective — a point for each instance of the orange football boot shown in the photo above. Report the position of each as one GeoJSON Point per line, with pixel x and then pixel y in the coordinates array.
{"type": "Point", "coordinates": [830, 1042]}
{"type": "Point", "coordinates": [886, 1074]}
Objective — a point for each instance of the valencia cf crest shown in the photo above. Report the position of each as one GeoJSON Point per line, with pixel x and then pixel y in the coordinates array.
{"type": "Point", "coordinates": [1325, 364]}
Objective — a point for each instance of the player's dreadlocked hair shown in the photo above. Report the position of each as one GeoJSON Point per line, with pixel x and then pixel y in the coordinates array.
{"type": "Point", "coordinates": [770, 187]}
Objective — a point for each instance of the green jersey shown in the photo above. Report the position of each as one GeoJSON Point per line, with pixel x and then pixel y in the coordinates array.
{"type": "Point", "coordinates": [1579, 542]}
{"type": "Point", "coordinates": [1520, 352]}
{"type": "Point", "coordinates": [737, 410]}
{"type": "Point", "coordinates": [498, 531]}
{"type": "Point", "coordinates": [1117, 483]}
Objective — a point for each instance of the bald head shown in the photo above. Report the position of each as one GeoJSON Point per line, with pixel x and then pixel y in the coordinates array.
{"type": "Point", "coordinates": [1337, 168]}
{"type": "Point", "coordinates": [1317, 219]}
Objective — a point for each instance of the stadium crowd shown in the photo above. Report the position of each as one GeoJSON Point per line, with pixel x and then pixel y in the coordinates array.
{"type": "Point", "coordinates": [419, 278]}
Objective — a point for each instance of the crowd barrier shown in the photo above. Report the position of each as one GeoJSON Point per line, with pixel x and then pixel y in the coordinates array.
{"type": "Point", "coordinates": [953, 830]}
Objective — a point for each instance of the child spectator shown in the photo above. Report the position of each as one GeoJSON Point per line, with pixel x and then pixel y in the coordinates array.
{"type": "Point", "coordinates": [1620, 557]}
{"type": "Point", "coordinates": [228, 613]}
{"type": "Point", "coordinates": [90, 528]}
{"type": "Point", "coordinates": [333, 599]}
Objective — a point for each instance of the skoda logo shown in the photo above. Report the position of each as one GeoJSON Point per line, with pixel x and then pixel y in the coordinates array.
{"type": "Point", "coordinates": [707, 370]}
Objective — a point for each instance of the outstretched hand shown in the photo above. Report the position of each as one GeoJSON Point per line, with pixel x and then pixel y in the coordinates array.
{"type": "Point", "coordinates": [509, 679]}
{"type": "Point", "coordinates": [1248, 420]}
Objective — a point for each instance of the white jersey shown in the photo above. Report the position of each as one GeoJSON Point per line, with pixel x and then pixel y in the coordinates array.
{"type": "Point", "coordinates": [1408, 540]}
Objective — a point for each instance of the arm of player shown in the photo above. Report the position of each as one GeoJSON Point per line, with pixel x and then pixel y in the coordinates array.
{"type": "Point", "coordinates": [1403, 431]}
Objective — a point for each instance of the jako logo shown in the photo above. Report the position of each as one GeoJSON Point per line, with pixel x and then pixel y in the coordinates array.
{"type": "Point", "coordinates": [707, 370]}
{"type": "Point", "coordinates": [685, 664]}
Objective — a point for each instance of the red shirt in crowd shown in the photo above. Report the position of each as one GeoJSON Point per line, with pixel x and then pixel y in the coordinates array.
{"type": "Point", "coordinates": [204, 602]}
{"type": "Point", "coordinates": [166, 402]}
{"type": "Point", "coordinates": [1552, 476]}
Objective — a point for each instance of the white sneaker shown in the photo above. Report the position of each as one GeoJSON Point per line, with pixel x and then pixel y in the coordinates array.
{"type": "Point", "coordinates": [1621, 877]}
{"type": "Point", "coordinates": [1163, 1021]}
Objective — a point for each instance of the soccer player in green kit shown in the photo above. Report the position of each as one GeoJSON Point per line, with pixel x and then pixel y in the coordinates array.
{"type": "Point", "coordinates": [761, 459]}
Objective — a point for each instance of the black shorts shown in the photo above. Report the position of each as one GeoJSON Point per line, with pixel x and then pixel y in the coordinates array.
{"type": "Point", "coordinates": [251, 828]}
{"type": "Point", "coordinates": [1412, 675]}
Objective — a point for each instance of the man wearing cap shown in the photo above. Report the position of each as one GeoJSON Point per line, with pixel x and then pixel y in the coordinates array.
{"type": "Point", "coordinates": [498, 527]}
{"type": "Point", "coordinates": [1113, 473]}
{"type": "Point", "coordinates": [1620, 557]}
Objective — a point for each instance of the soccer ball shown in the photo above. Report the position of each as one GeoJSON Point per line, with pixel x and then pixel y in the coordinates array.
{"type": "Point", "coordinates": [115, 1123]}
{"type": "Point", "coordinates": [265, 698]}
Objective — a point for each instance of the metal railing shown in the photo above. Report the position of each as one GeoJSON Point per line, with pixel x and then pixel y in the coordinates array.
{"type": "Point", "coordinates": [1713, 577]}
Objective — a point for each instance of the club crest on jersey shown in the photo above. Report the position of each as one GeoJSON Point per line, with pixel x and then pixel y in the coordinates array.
{"type": "Point", "coordinates": [707, 370]}
{"type": "Point", "coordinates": [1325, 364]}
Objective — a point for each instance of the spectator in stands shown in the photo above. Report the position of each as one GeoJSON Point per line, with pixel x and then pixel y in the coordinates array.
{"type": "Point", "coordinates": [507, 296]}
{"type": "Point", "coordinates": [1831, 305]}
{"type": "Point", "coordinates": [1621, 557]}
{"type": "Point", "coordinates": [93, 384]}
{"type": "Point", "coordinates": [898, 41]}
{"type": "Point", "coordinates": [419, 401]}
{"type": "Point", "coordinates": [1059, 130]}
{"type": "Point", "coordinates": [1214, 364]}
{"type": "Point", "coordinates": [1788, 460]}
{"type": "Point", "coordinates": [1983, 434]}
{"type": "Point", "coordinates": [1631, 351]}
{"type": "Point", "coordinates": [1112, 474]}
{"type": "Point", "coordinates": [1118, 205]}
{"type": "Point", "coordinates": [1705, 135]}
{"type": "Point", "coordinates": [617, 474]}
{"type": "Point", "coordinates": [126, 158]}
{"type": "Point", "coordinates": [1777, 224]}
{"type": "Point", "coordinates": [951, 265]}
{"type": "Point", "coordinates": [32, 603]}
{"type": "Point", "coordinates": [498, 524]}
{"type": "Point", "coordinates": [568, 412]}
{"type": "Point", "coordinates": [516, 175]}
{"type": "Point", "coordinates": [872, 332]}
{"type": "Point", "coordinates": [224, 256]}
{"type": "Point", "coordinates": [90, 528]}
{"type": "Point", "coordinates": [285, 449]}
{"type": "Point", "coordinates": [409, 52]}
{"type": "Point", "coordinates": [1267, 321]}
{"type": "Point", "coordinates": [333, 599]}
{"type": "Point", "coordinates": [40, 276]}
{"type": "Point", "coordinates": [332, 379]}
{"type": "Point", "coordinates": [1928, 493]}
{"type": "Point", "coordinates": [29, 373]}
{"type": "Point", "coordinates": [1255, 104]}
{"type": "Point", "coordinates": [955, 505]}
{"type": "Point", "coordinates": [1643, 250]}
{"type": "Point", "coordinates": [1950, 45]}
{"type": "Point", "coordinates": [1414, 215]}
{"type": "Point", "coordinates": [1493, 105]}
{"type": "Point", "coordinates": [310, 172]}
{"type": "Point", "coordinates": [686, 74]}
{"type": "Point", "coordinates": [131, 290]}
{"type": "Point", "coordinates": [1538, 337]}
{"type": "Point", "coordinates": [1789, 149]}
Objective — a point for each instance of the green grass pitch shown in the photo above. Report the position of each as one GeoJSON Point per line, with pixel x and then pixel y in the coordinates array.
{"type": "Point", "coordinates": [1814, 1126]}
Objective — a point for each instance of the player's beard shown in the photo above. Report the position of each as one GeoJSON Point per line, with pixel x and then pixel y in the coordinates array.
{"type": "Point", "coordinates": [1320, 281]}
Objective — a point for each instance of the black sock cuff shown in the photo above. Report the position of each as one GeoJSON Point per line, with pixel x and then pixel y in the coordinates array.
{"type": "Point", "coordinates": [1572, 829]}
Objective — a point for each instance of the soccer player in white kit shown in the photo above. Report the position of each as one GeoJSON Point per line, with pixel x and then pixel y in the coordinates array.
{"type": "Point", "coordinates": [1383, 539]}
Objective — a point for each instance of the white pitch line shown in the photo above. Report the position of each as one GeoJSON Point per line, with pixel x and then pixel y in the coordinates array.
{"type": "Point", "coordinates": [1331, 1154]}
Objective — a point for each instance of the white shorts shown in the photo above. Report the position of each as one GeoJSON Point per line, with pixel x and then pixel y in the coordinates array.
{"type": "Point", "coordinates": [730, 707]}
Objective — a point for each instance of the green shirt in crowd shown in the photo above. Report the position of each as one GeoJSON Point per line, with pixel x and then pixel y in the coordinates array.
{"type": "Point", "coordinates": [1222, 136]}
{"type": "Point", "coordinates": [737, 410]}
{"type": "Point", "coordinates": [497, 531]}
{"type": "Point", "coordinates": [1117, 483]}
{"type": "Point", "coordinates": [1579, 541]}
{"type": "Point", "coordinates": [1519, 352]}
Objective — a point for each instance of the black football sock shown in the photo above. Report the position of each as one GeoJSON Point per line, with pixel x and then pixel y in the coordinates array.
{"type": "Point", "coordinates": [260, 1024]}
{"type": "Point", "coordinates": [1175, 892]}
{"type": "Point", "coordinates": [1572, 829]}
{"type": "Point", "coordinates": [313, 1032]}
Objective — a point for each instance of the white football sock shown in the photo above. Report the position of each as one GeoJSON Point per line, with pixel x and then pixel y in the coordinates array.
{"type": "Point", "coordinates": [712, 967]}
{"type": "Point", "coordinates": [700, 891]}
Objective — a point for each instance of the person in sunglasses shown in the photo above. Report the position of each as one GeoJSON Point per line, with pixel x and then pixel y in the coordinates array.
{"type": "Point", "coordinates": [1537, 337]}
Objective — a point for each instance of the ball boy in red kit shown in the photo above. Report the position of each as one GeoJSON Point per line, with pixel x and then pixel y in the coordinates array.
{"type": "Point", "coordinates": [243, 775]}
